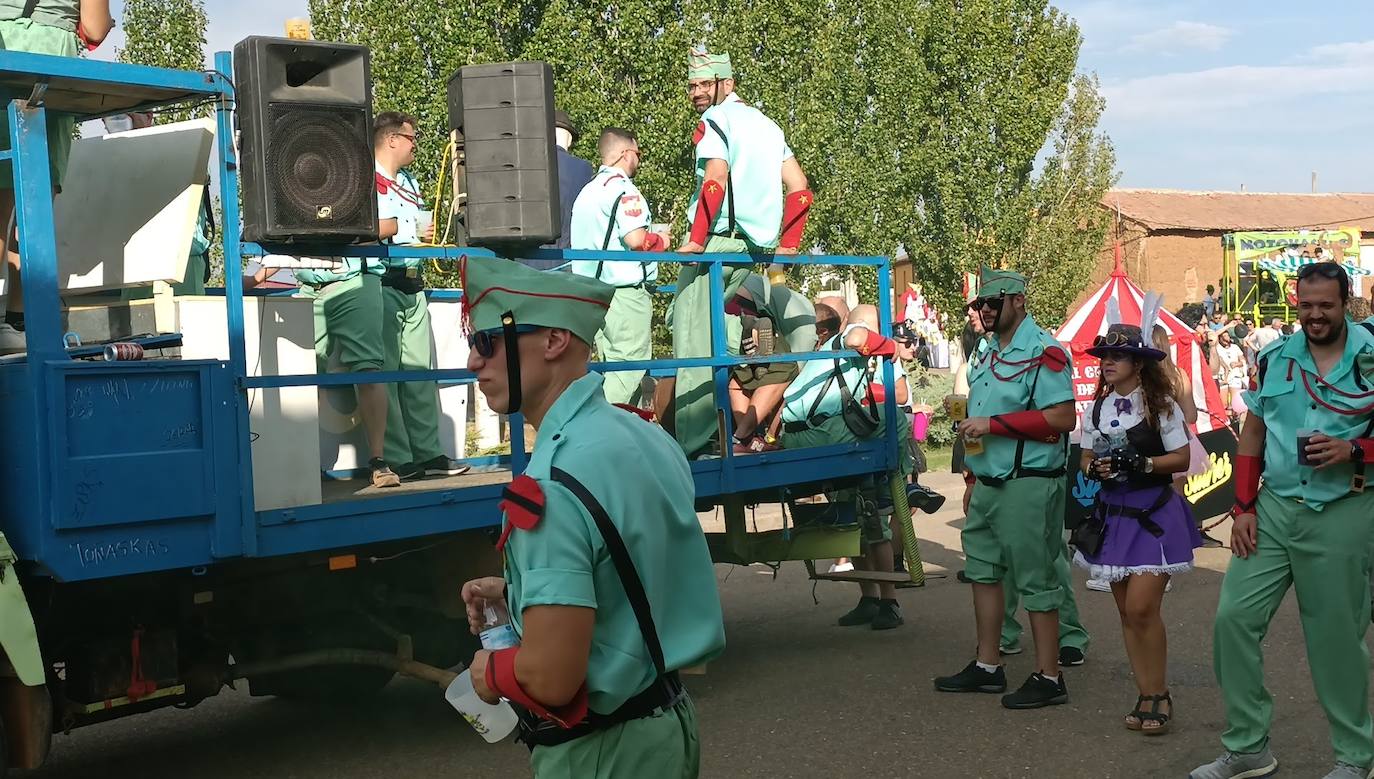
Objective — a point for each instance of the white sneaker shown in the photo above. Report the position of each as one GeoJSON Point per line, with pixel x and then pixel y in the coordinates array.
{"type": "Point", "coordinates": [1237, 766]}
{"type": "Point", "coordinates": [1099, 585]}
{"type": "Point", "coordinates": [841, 567]}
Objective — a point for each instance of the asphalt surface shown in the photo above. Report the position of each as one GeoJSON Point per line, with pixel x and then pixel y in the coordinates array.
{"type": "Point", "coordinates": [793, 696]}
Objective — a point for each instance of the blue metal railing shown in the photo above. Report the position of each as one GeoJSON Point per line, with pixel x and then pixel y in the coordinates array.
{"type": "Point", "coordinates": [28, 124]}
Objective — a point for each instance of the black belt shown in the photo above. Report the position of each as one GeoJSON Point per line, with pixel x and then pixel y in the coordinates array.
{"type": "Point", "coordinates": [1023, 473]}
{"type": "Point", "coordinates": [407, 280]}
{"type": "Point", "coordinates": [1104, 510]}
{"type": "Point", "coordinates": [662, 695]}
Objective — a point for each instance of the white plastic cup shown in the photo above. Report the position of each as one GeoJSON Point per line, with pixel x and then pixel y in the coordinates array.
{"type": "Point", "coordinates": [492, 723]}
{"type": "Point", "coordinates": [423, 221]}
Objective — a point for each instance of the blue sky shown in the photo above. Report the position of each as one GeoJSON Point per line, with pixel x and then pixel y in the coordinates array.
{"type": "Point", "coordinates": [1211, 95]}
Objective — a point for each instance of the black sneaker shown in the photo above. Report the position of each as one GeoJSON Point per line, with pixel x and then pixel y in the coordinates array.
{"type": "Point", "coordinates": [924, 498]}
{"type": "Point", "coordinates": [974, 679]}
{"type": "Point", "coordinates": [409, 471]}
{"type": "Point", "coordinates": [442, 466]}
{"type": "Point", "coordinates": [1070, 656]}
{"type": "Point", "coordinates": [1037, 692]}
{"type": "Point", "coordinates": [862, 614]}
{"type": "Point", "coordinates": [889, 615]}
{"type": "Point", "coordinates": [382, 476]}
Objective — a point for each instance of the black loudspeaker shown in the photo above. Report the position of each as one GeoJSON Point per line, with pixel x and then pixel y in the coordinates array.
{"type": "Point", "coordinates": [305, 146]}
{"type": "Point", "coordinates": [503, 114]}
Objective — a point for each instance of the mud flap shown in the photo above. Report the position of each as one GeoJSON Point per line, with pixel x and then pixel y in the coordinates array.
{"type": "Point", "coordinates": [18, 637]}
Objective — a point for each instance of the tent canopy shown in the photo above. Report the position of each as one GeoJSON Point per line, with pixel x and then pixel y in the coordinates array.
{"type": "Point", "coordinates": [1090, 321]}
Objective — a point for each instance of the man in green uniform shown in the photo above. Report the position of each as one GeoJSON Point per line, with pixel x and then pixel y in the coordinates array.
{"type": "Point", "coordinates": [412, 431]}
{"type": "Point", "coordinates": [610, 214]}
{"type": "Point", "coordinates": [608, 607]}
{"type": "Point", "coordinates": [756, 390]}
{"type": "Point", "coordinates": [61, 28]}
{"type": "Point", "coordinates": [348, 334]}
{"type": "Point", "coordinates": [1020, 405]}
{"type": "Point", "coordinates": [1307, 527]}
{"type": "Point", "coordinates": [743, 168]}
{"type": "Point", "coordinates": [813, 415]}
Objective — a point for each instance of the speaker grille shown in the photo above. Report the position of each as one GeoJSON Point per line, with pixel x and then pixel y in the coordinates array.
{"type": "Point", "coordinates": [318, 165]}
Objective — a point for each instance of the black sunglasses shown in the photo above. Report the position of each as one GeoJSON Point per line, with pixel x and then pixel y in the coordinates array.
{"type": "Point", "coordinates": [1327, 270]}
{"type": "Point", "coordinates": [484, 341]}
{"type": "Point", "coordinates": [995, 303]}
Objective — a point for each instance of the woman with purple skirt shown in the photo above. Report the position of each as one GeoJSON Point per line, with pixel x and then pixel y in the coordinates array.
{"type": "Point", "coordinates": [1134, 440]}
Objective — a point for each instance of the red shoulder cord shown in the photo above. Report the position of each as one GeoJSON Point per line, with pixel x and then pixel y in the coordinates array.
{"type": "Point", "coordinates": [1307, 385]}
{"type": "Point", "coordinates": [1024, 366]}
{"type": "Point", "coordinates": [501, 679]}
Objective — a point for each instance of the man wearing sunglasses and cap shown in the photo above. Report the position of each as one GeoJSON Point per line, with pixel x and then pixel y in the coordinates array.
{"type": "Point", "coordinates": [1307, 526]}
{"type": "Point", "coordinates": [751, 196]}
{"type": "Point", "coordinates": [608, 580]}
{"type": "Point", "coordinates": [1020, 405]}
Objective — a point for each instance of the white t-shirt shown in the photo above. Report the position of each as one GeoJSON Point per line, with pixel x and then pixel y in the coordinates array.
{"type": "Point", "coordinates": [1231, 363]}
{"type": "Point", "coordinates": [1172, 429]}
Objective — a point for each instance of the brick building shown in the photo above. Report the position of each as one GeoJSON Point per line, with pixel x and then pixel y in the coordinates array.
{"type": "Point", "coordinates": [1171, 239]}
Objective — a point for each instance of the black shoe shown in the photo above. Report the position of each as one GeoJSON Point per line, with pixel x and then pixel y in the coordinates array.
{"type": "Point", "coordinates": [961, 576]}
{"type": "Point", "coordinates": [974, 679]}
{"type": "Point", "coordinates": [889, 615]}
{"type": "Point", "coordinates": [1211, 543]}
{"type": "Point", "coordinates": [862, 614]}
{"type": "Point", "coordinates": [1038, 692]}
{"type": "Point", "coordinates": [409, 472]}
{"type": "Point", "coordinates": [1070, 656]}
{"type": "Point", "coordinates": [382, 476]}
{"type": "Point", "coordinates": [924, 498]}
{"type": "Point", "coordinates": [442, 465]}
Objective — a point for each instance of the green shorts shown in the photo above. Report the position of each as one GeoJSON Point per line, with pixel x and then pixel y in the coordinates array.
{"type": "Point", "coordinates": [348, 323]}
{"type": "Point", "coordinates": [665, 745]}
{"type": "Point", "coordinates": [27, 35]}
{"type": "Point", "coordinates": [772, 373]}
{"type": "Point", "coordinates": [1017, 527]}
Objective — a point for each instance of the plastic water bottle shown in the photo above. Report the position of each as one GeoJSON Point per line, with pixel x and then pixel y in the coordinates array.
{"type": "Point", "coordinates": [1117, 443]}
{"type": "Point", "coordinates": [497, 632]}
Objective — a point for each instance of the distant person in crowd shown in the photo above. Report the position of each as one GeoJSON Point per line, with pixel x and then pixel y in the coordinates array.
{"type": "Point", "coordinates": [1209, 301]}
{"type": "Point", "coordinates": [56, 27]}
{"type": "Point", "coordinates": [1232, 373]}
{"type": "Point", "coordinates": [1263, 336]}
{"type": "Point", "coordinates": [1150, 533]}
{"type": "Point", "coordinates": [1319, 254]}
{"type": "Point", "coordinates": [1202, 335]}
{"type": "Point", "coordinates": [1218, 321]}
{"type": "Point", "coordinates": [574, 173]}
{"type": "Point", "coordinates": [923, 352]}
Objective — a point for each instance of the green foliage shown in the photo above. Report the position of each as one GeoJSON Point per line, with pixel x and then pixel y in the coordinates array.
{"type": "Point", "coordinates": [165, 34]}
{"type": "Point", "coordinates": [929, 386]}
{"type": "Point", "coordinates": [918, 122]}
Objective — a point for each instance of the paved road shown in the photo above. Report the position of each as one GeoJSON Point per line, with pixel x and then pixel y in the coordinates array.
{"type": "Point", "coordinates": [794, 696]}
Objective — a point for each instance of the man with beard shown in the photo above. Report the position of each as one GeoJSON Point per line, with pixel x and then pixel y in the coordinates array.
{"type": "Point", "coordinates": [1020, 404]}
{"type": "Point", "coordinates": [1308, 527]}
{"type": "Point", "coordinates": [608, 580]}
{"type": "Point", "coordinates": [751, 197]}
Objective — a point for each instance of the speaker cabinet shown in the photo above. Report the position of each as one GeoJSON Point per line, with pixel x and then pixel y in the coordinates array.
{"type": "Point", "coordinates": [305, 146]}
{"type": "Point", "coordinates": [503, 114]}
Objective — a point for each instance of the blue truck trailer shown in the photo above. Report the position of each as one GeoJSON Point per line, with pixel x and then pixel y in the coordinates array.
{"type": "Point", "coordinates": [136, 571]}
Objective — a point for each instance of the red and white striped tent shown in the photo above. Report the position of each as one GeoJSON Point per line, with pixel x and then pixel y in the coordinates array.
{"type": "Point", "coordinates": [1090, 321]}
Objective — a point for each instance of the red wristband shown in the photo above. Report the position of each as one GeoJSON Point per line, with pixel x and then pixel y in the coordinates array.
{"type": "Point", "coordinates": [1367, 445]}
{"type": "Point", "coordinates": [501, 679]}
{"type": "Point", "coordinates": [968, 478]}
{"type": "Point", "coordinates": [85, 39]}
{"type": "Point", "coordinates": [795, 209]}
{"type": "Point", "coordinates": [1247, 479]}
{"type": "Point", "coordinates": [878, 344]}
{"type": "Point", "coordinates": [653, 242]}
{"type": "Point", "coordinates": [708, 208]}
{"type": "Point", "coordinates": [1026, 425]}
{"type": "Point", "coordinates": [878, 390]}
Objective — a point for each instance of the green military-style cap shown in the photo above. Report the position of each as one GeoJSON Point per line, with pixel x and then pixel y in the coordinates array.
{"type": "Point", "coordinates": [493, 287]}
{"type": "Point", "coordinates": [701, 64]}
{"type": "Point", "coordinates": [1000, 282]}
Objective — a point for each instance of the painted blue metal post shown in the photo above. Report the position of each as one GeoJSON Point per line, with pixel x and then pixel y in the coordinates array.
{"type": "Point", "coordinates": [233, 298]}
{"type": "Point", "coordinates": [890, 404]}
{"type": "Point", "coordinates": [720, 373]}
{"type": "Point", "coordinates": [37, 231]}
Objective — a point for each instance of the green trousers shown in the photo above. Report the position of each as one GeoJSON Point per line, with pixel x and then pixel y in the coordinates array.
{"type": "Point", "coordinates": [663, 747]}
{"type": "Point", "coordinates": [348, 323]}
{"type": "Point", "coordinates": [625, 337]}
{"type": "Point", "coordinates": [1012, 534]}
{"type": "Point", "coordinates": [1325, 556]}
{"type": "Point", "coordinates": [1071, 630]}
{"type": "Point", "coordinates": [690, 321]}
{"type": "Point", "coordinates": [28, 35]}
{"type": "Point", "coordinates": [412, 408]}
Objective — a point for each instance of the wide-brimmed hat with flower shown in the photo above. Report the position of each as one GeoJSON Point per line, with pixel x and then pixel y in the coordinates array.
{"type": "Point", "coordinates": [1124, 339]}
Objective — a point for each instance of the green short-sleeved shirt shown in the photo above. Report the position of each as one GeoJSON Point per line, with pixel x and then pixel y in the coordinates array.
{"type": "Point", "coordinates": [1000, 382]}
{"type": "Point", "coordinates": [64, 14]}
{"type": "Point", "coordinates": [755, 148]}
{"type": "Point", "coordinates": [812, 394]}
{"type": "Point", "coordinates": [610, 190]}
{"type": "Point", "coordinates": [639, 475]}
{"type": "Point", "coordinates": [1291, 397]}
{"type": "Point", "coordinates": [400, 199]}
